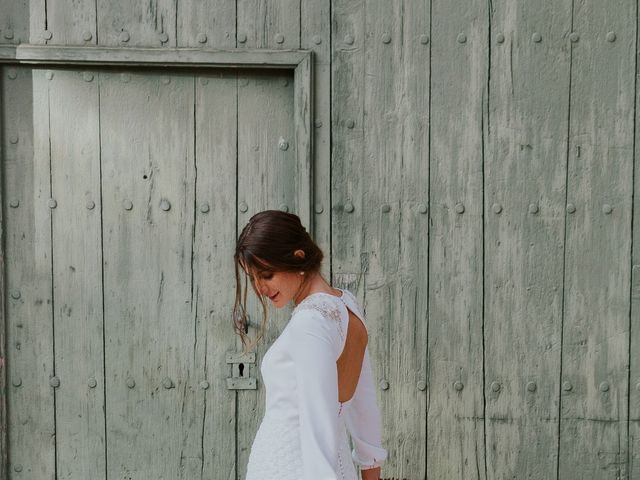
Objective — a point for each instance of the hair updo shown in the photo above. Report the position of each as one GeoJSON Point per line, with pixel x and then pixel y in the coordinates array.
{"type": "Point", "coordinates": [267, 244]}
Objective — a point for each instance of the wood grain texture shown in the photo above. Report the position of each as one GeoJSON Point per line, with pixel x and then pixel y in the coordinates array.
{"type": "Point", "coordinates": [268, 23]}
{"type": "Point", "coordinates": [136, 24]}
{"type": "Point", "coordinates": [4, 437]}
{"type": "Point", "coordinates": [72, 22]}
{"type": "Point", "coordinates": [205, 23]}
{"type": "Point", "coordinates": [14, 22]}
{"type": "Point", "coordinates": [524, 175]}
{"type": "Point", "coordinates": [595, 349]}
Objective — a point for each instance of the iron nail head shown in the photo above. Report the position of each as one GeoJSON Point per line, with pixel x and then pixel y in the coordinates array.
{"type": "Point", "coordinates": [204, 208]}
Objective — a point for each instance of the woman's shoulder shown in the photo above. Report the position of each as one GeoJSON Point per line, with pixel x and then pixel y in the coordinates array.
{"type": "Point", "coordinates": [324, 304]}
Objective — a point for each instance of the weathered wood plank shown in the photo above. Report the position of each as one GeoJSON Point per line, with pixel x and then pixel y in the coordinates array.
{"type": "Point", "coordinates": [77, 275]}
{"type": "Point", "coordinates": [148, 179]}
{"type": "Point", "coordinates": [14, 22]}
{"type": "Point", "coordinates": [268, 23]}
{"type": "Point", "coordinates": [137, 24]}
{"type": "Point", "coordinates": [214, 245]}
{"type": "Point", "coordinates": [524, 240]}
{"type": "Point", "coordinates": [205, 23]}
{"type": "Point", "coordinates": [455, 430]}
{"type": "Point", "coordinates": [4, 438]}
{"type": "Point", "coordinates": [29, 329]}
{"type": "Point", "coordinates": [72, 22]}
{"type": "Point", "coordinates": [595, 349]}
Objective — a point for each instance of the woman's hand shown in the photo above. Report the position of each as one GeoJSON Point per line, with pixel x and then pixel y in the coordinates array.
{"type": "Point", "coordinates": [371, 474]}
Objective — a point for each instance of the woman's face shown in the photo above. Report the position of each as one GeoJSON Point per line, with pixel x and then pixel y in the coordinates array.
{"type": "Point", "coordinates": [279, 287]}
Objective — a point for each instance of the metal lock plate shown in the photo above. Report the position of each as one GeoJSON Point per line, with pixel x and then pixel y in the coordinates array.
{"type": "Point", "coordinates": [240, 368]}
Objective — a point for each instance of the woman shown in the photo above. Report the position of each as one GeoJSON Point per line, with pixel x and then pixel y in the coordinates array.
{"type": "Point", "coordinates": [317, 373]}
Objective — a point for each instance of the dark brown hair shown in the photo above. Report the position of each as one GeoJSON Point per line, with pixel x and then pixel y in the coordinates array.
{"type": "Point", "coordinates": [267, 244]}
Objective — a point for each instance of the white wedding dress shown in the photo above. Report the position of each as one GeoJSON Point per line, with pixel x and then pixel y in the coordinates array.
{"type": "Point", "coordinates": [303, 435]}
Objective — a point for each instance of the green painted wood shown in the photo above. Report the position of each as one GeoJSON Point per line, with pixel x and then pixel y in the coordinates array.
{"type": "Point", "coordinates": [205, 23]}
{"type": "Point", "coordinates": [268, 24]}
{"type": "Point", "coordinates": [77, 274]}
{"type": "Point", "coordinates": [633, 455]}
{"type": "Point", "coordinates": [147, 151]}
{"type": "Point", "coordinates": [14, 22]}
{"type": "Point", "coordinates": [595, 349]}
{"type": "Point", "coordinates": [4, 437]}
{"type": "Point", "coordinates": [137, 24]}
{"type": "Point", "coordinates": [524, 242]}
{"type": "Point", "coordinates": [27, 243]}
{"type": "Point", "coordinates": [72, 22]}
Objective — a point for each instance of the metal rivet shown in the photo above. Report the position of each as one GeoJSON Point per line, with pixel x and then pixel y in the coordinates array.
{"type": "Point", "coordinates": [279, 38]}
{"type": "Point", "coordinates": [124, 36]}
{"type": "Point", "coordinates": [283, 144]}
{"type": "Point", "coordinates": [317, 123]}
{"type": "Point", "coordinates": [202, 38]}
{"type": "Point", "coordinates": [15, 294]}
{"type": "Point", "coordinates": [317, 40]}
{"type": "Point", "coordinates": [127, 204]}
{"type": "Point", "coordinates": [422, 385]}
{"type": "Point", "coordinates": [459, 208]}
{"type": "Point", "coordinates": [384, 385]}
{"type": "Point", "coordinates": [164, 38]}
{"type": "Point", "coordinates": [52, 203]}
{"type": "Point", "coordinates": [14, 203]}
{"type": "Point", "coordinates": [243, 207]}
{"type": "Point", "coordinates": [424, 39]}
{"type": "Point", "coordinates": [574, 37]}
{"type": "Point", "coordinates": [12, 75]}
{"type": "Point", "coordinates": [351, 123]}
{"type": "Point", "coordinates": [571, 208]}
{"type": "Point", "coordinates": [536, 37]}
{"type": "Point", "coordinates": [13, 139]}
{"type": "Point", "coordinates": [567, 387]}
{"type": "Point", "coordinates": [125, 77]}
{"type": "Point", "coordinates": [242, 38]}
{"type": "Point", "coordinates": [386, 38]}
{"type": "Point", "coordinates": [638, 387]}
{"type": "Point", "coordinates": [348, 39]}
{"type": "Point", "coordinates": [92, 382]}
{"type": "Point", "coordinates": [422, 208]}
{"type": "Point", "coordinates": [167, 383]}
{"type": "Point", "coordinates": [500, 38]}
{"type": "Point", "coordinates": [54, 382]}
{"type": "Point", "coordinates": [165, 80]}
{"type": "Point", "coordinates": [533, 208]}
{"type": "Point", "coordinates": [16, 382]}
{"type": "Point", "coordinates": [495, 386]}
{"type": "Point", "coordinates": [18, 468]}
{"type": "Point", "coordinates": [87, 35]}
{"type": "Point", "coordinates": [462, 38]}
{"type": "Point", "coordinates": [204, 208]}
{"type": "Point", "coordinates": [90, 205]}
{"type": "Point", "coordinates": [283, 207]}
{"type": "Point", "coordinates": [204, 81]}
{"type": "Point", "coordinates": [348, 207]}
{"type": "Point", "coordinates": [87, 76]}
{"type": "Point", "coordinates": [8, 34]}
{"type": "Point", "coordinates": [458, 385]}
{"type": "Point", "coordinates": [497, 208]}
{"type": "Point", "coordinates": [47, 35]}
{"type": "Point", "coordinates": [604, 387]}
{"type": "Point", "coordinates": [531, 386]}
{"type": "Point", "coordinates": [606, 208]}
{"type": "Point", "coordinates": [386, 208]}
{"type": "Point", "coordinates": [204, 385]}
{"type": "Point", "coordinates": [131, 382]}
{"type": "Point", "coordinates": [165, 205]}
{"type": "Point", "coordinates": [319, 208]}
{"type": "Point", "coordinates": [611, 37]}
{"type": "Point", "coordinates": [48, 75]}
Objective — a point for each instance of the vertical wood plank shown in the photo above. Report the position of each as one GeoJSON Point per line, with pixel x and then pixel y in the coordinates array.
{"type": "Point", "coordinates": [72, 22]}
{"type": "Point", "coordinates": [210, 23]}
{"type": "Point", "coordinates": [26, 177]}
{"type": "Point", "coordinates": [633, 456]}
{"type": "Point", "coordinates": [37, 21]}
{"type": "Point", "coordinates": [148, 176]}
{"type": "Point", "coordinates": [4, 439]}
{"type": "Point", "coordinates": [268, 23]}
{"type": "Point", "coordinates": [455, 430]}
{"type": "Point", "coordinates": [214, 246]}
{"type": "Point", "coordinates": [77, 275]}
{"type": "Point", "coordinates": [14, 23]}
{"type": "Point", "coordinates": [137, 24]}
{"type": "Point", "coordinates": [595, 348]}
{"type": "Point", "coordinates": [524, 236]}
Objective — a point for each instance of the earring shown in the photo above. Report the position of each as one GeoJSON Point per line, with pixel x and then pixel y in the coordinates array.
{"type": "Point", "coordinates": [301, 273]}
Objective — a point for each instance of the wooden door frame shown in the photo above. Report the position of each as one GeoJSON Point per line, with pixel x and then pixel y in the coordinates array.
{"type": "Point", "coordinates": [300, 61]}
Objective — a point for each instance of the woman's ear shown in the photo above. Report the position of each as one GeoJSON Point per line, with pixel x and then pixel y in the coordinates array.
{"type": "Point", "coordinates": [299, 253]}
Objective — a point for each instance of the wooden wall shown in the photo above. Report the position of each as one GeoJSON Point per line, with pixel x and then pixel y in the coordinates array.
{"type": "Point", "coordinates": [474, 183]}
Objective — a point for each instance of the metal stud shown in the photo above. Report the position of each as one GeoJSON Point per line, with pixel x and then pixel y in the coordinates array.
{"type": "Point", "coordinates": [18, 468]}
{"type": "Point", "coordinates": [167, 383]}
{"type": "Point", "coordinates": [125, 77]}
{"type": "Point", "coordinates": [49, 75]}
{"type": "Point", "coordinates": [611, 37]}
{"type": "Point", "coordinates": [279, 38]}
{"type": "Point", "coordinates": [459, 207]}
{"type": "Point", "coordinates": [90, 205]}
{"type": "Point", "coordinates": [52, 203]}
{"type": "Point", "coordinates": [462, 38]}
{"type": "Point", "coordinates": [607, 209]}
{"type": "Point", "coordinates": [54, 382]}
{"type": "Point", "coordinates": [12, 75]}
{"type": "Point", "coordinates": [351, 123]}
{"type": "Point", "coordinates": [532, 387]}
{"type": "Point", "coordinates": [533, 208]}
{"type": "Point", "coordinates": [202, 38]}
{"type": "Point", "coordinates": [317, 123]}
{"type": "Point", "coordinates": [424, 39]}
{"type": "Point", "coordinates": [204, 385]}
{"type": "Point", "coordinates": [165, 205]}
{"type": "Point", "coordinates": [204, 208]}
{"type": "Point", "coordinates": [131, 382]}
{"type": "Point", "coordinates": [500, 38]}
{"type": "Point", "coordinates": [127, 204]}
{"type": "Point", "coordinates": [566, 386]}
{"type": "Point", "coordinates": [384, 384]}
{"type": "Point", "coordinates": [15, 294]}
{"type": "Point", "coordinates": [242, 38]}
{"type": "Point", "coordinates": [571, 208]}
{"type": "Point", "coordinates": [458, 385]}
{"type": "Point", "coordinates": [164, 38]}
{"type": "Point", "coordinates": [284, 207]}
{"type": "Point", "coordinates": [243, 207]}
{"type": "Point", "coordinates": [285, 82]}
{"type": "Point", "coordinates": [319, 208]}
{"type": "Point", "coordinates": [92, 382]}
{"type": "Point", "coordinates": [124, 36]}
{"type": "Point", "coordinates": [348, 39]}
{"type": "Point", "coordinates": [87, 35]}
{"type": "Point", "coordinates": [422, 385]}
{"type": "Point", "coordinates": [348, 207]}
{"type": "Point", "coordinates": [574, 37]}
{"type": "Point", "coordinates": [13, 139]}
{"type": "Point", "coordinates": [386, 208]}
{"type": "Point", "coordinates": [638, 387]}
{"type": "Point", "coordinates": [165, 80]}
{"type": "Point", "coordinates": [87, 76]}
{"type": "Point", "coordinates": [8, 34]}
{"type": "Point", "coordinates": [536, 37]}
{"type": "Point", "coordinates": [15, 203]}
{"type": "Point", "coordinates": [283, 144]}
{"type": "Point", "coordinates": [317, 40]}
{"type": "Point", "coordinates": [604, 387]}
{"type": "Point", "coordinates": [47, 35]}
{"type": "Point", "coordinates": [16, 382]}
{"type": "Point", "coordinates": [386, 38]}
{"type": "Point", "coordinates": [422, 208]}
{"type": "Point", "coordinates": [495, 386]}
{"type": "Point", "coordinates": [497, 208]}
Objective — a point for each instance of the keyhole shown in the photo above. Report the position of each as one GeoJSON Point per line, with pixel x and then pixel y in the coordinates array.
{"type": "Point", "coordinates": [241, 369]}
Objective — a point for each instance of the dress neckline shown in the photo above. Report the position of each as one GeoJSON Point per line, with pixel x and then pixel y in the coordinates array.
{"type": "Point", "coordinates": [341, 297]}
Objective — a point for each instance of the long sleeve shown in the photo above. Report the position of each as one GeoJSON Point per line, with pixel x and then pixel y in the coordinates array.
{"type": "Point", "coordinates": [314, 353]}
{"type": "Point", "coordinates": [363, 421]}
